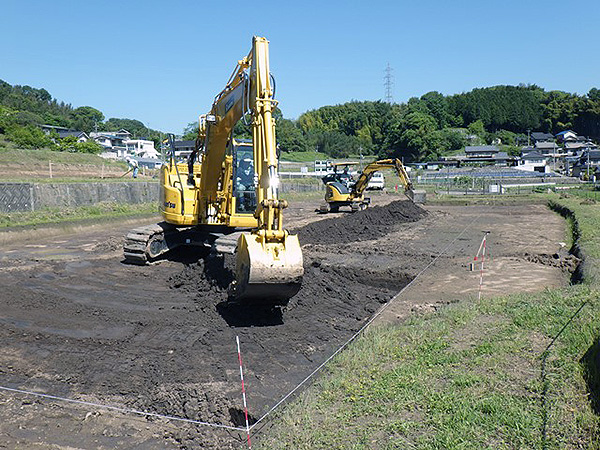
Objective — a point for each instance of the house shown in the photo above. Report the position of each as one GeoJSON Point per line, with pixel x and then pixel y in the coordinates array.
{"type": "Point", "coordinates": [141, 148]}
{"type": "Point", "coordinates": [502, 159]}
{"type": "Point", "coordinates": [533, 162]}
{"type": "Point", "coordinates": [568, 135]}
{"type": "Point", "coordinates": [546, 148]}
{"type": "Point", "coordinates": [574, 146]}
{"type": "Point", "coordinates": [110, 143]}
{"type": "Point", "coordinates": [587, 161]}
{"type": "Point", "coordinates": [81, 136]}
{"type": "Point", "coordinates": [184, 148]}
{"type": "Point", "coordinates": [481, 151]}
{"type": "Point", "coordinates": [541, 137]}
{"type": "Point", "coordinates": [47, 129]}
{"type": "Point", "coordinates": [123, 134]}
{"type": "Point", "coordinates": [150, 163]}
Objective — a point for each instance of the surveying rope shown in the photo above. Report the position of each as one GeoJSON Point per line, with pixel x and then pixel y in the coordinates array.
{"type": "Point", "coordinates": [121, 409]}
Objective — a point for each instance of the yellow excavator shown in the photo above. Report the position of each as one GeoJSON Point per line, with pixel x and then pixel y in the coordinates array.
{"type": "Point", "coordinates": [340, 190]}
{"type": "Point", "coordinates": [226, 195]}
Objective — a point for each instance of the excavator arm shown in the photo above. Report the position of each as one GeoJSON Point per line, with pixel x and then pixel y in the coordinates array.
{"type": "Point", "coordinates": [269, 260]}
{"type": "Point", "coordinates": [363, 180]}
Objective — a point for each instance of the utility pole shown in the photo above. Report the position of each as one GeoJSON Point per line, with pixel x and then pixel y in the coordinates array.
{"type": "Point", "coordinates": [388, 84]}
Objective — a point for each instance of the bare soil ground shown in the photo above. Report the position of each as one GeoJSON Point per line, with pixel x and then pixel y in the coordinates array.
{"type": "Point", "coordinates": [78, 323]}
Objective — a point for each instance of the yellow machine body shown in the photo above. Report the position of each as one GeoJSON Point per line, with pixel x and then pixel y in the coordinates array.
{"type": "Point", "coordinates": [269, 263]}
{"type": "Point", "coordinates": [339, 193]}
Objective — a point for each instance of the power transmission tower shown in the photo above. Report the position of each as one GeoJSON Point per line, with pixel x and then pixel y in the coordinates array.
{"type": "Point", "coordinates": [388, 84]}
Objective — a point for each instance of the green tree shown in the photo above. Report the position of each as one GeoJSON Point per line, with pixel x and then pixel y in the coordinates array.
{"type": "Point", "coordinates": [28, 136]}
{"type": "Point", "coordinates": [190, 132]}
{"type": "Point", "coordinates": [89, 146]}
{"type": "Point", "coordinates": [86, 118]}
{"type": "Point", "coordinates": [289, 137]}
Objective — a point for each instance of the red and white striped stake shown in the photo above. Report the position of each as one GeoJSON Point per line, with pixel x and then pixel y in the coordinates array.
{"type": "Point", "coordinates": [482, 252]}
{"type": "Point", "coordinates": [237, 339]}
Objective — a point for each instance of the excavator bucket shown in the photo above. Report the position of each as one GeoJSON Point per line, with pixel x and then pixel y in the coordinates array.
{"type": "Point", "coordinates": [270, 273]}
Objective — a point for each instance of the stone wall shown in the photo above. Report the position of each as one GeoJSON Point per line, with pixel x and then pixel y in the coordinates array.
{"type": "Point", "coordinates": [34, 196]}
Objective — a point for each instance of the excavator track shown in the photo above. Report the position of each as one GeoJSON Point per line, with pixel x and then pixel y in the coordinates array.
{"type": "Point", "coordinates": [144, 244]}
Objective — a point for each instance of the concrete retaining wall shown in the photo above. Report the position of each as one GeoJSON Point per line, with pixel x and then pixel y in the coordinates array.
{"type": "Point", "coordinates": [34, 196]}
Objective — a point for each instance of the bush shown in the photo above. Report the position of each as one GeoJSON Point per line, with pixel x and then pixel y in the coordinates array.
{"type": "Point", "coordinates": [88, 147]}
{"type": "Point", "coordinates": [28, 136]}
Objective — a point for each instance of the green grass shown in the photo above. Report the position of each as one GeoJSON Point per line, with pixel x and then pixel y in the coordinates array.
{"type": "Point", "coordinates": [71, 214]}
{"type": "Point", "coordinates": [303, 156]}
{"type": "Point", "coordinates": [33, 165]}
{"type": "Point", "coordinates": [466, 377]}
{"type": "Point", "coordinates": [9, 153]}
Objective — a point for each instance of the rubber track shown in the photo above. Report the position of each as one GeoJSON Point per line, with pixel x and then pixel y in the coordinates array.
{"type": "Point", "coordinates": [136, 243]}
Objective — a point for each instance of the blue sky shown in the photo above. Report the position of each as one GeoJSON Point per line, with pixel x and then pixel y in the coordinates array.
{"type": "Point", "coordinates": [163, 62]}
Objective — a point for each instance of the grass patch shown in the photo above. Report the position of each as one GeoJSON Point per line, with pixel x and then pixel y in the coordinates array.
{"type": "Point", "coordinates": [472, 375]}
{"type": "Point", "coordinates": [71, 214]}
{"type": "Point", "coordinates": [487, 199]}
{"type": "Point", "coordinates": [466, 377]}
{"type": "Point", "coordinates": [303, 156]}
{"type": "Point", "coordinates": [11, 154]}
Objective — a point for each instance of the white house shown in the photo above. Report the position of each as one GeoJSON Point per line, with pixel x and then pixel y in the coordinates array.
{"type": "Point", "coordinates": [533, 162]}
{"type": "Point", "coordinates": [141, 148]}
{"type": "Point", "coordinates": [567, 135]}
{"type": "Point", "coordinates": [109, 141]}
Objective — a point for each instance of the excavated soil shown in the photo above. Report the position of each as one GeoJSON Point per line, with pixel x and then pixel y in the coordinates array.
{"type": "Point", "coordinates": [78, 323]}
{"type": "Point", "coordinates": [369, 224]}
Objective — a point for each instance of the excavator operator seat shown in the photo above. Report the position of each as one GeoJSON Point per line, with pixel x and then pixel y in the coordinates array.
{"type": "Point", "coordinates": [244, 186]}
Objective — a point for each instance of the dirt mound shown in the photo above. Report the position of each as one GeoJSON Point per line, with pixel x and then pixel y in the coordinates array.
{"type": "Point", "coordinates": [369, 224]}
{"type": "Point", "coordinates": [563, 260]}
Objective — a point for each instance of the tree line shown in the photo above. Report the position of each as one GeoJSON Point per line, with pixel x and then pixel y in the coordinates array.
{"type": "Point", "coordinates": [24, 108]}
{"type": "Point", "coordinates": [423, 128]}
{"type": "Point", "coordinates": [433, 125]}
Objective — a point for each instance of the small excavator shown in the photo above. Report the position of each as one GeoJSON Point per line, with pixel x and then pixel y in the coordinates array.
{"type": "Point", "coordinates": [226, 195]}
{"type": "Point", "coordinates": [341, 191]}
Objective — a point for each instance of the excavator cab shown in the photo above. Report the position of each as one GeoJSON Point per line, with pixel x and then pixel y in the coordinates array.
{"type": "Point", "coordinates": [244, 186]}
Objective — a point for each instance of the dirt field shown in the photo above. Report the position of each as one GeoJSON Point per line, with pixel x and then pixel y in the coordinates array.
{"type": "Point", "coordinates": [77, 323]}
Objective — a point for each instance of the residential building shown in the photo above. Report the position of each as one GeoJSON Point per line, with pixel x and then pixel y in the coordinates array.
{"type": "Point", "coordinates": [567, 135]}
{"type": "Point", "coordinates": [81, 136]}
{"type": "Point", "coordinates": [481, 151]}
{"type": "Point", "coordinates": [141, 148]}
{"type": "Point", "coordinates": [47, 129]}
{"type": "Point", "coordinates": [575, 146]}
{"type": "Point", "coordinates": [547, 148]}
{"type": "Point", "coordinates": [586, 162]}
{"type": "Point", "coordinates": [110, 142]}
{"type": "Point", "coordinates": [533, 162]}
{"type": "Point", "coordinates": [537, 136]}
{"type": "Point", "coordinates": [184, 148]}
